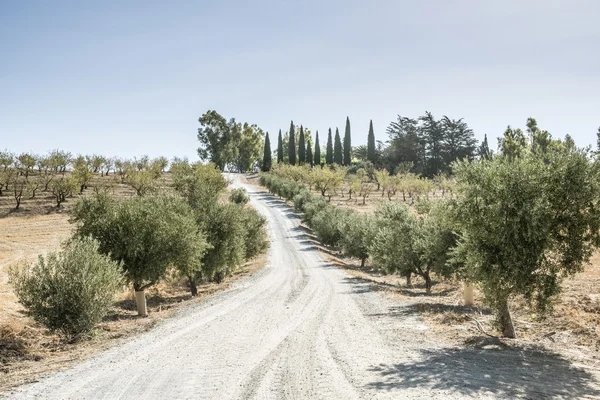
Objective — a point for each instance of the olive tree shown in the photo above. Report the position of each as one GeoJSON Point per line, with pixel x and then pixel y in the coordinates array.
{"type": "Point", "coordinates": [357, 232]}
{"type": "Point", "coordinates": [524, 222]}
{"type": "Point", "coordinates": [62, 187]}
{"type": "Point", "coordinates": [6, 159]}
{"type": "Point", "coordinates": [70, 291]}
{"type": "Point", "coordinates": [148, 234]}
{"type": "Point", "coordinates": [225, 231]}
{"type": "Point", "coordinates": [239, 196]}
{"type": "Point", "coordinates": [407, 244]}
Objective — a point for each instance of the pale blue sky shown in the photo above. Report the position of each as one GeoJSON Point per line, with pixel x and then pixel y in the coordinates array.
{"type": "Point", "coordinates": [132, 77]}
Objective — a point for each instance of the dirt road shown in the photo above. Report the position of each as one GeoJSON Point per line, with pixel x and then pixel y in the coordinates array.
{"type": "Point", "coordinates": [303, 329]}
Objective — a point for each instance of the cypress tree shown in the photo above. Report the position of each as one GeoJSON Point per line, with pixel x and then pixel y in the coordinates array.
{"type": "Point", "coordinates": [338, 156]}
{"type": "Point", "coordinates": [292, 146]}
{"type": "Point", "coordinates": [484, 149]}
{"type": "Point", "coordinates": [347, 144]}
{"type": "Point", "coordinates": [371, 144]}
{"type": "Point", "coordinates": [267, 158]}
{"type": "Point", "coordinates": [309, 154]}
{"type": "Point", "coordinates": [317, 150]}
{"type": "Point", "coordinates": [301, 147]}
{"type": "Point", "coordinates": [279, 148]}
{"type": "Point", "coordinates": [329, 154]}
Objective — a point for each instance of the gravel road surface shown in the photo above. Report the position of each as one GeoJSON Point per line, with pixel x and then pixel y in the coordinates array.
{"type": "Point", "coordinates": [303, 329]}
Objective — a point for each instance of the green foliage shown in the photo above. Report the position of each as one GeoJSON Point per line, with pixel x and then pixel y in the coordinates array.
{"type": "Point", "coordinates": [513, 144]}
{"type": "Point", "coordinates": [292, 145]}
{"type": "Point", "coordinates": [407, 244]}
{"type": "Point", "coordinates": [229, 142]}
{"type": "Point", "coordinates": [371, 144]}
{"type": "Point", "coordinates": [267, 162]}
{"type": "Point", "coordinates": [309, 155]}
{"type": "Point", "coordinates": [216, 138]}
{"type": "Point", "coordinates": [62, 187]}
{"type": "Point", "coordinates": [200, 185]}
{"type": "Point", "coordinates": [347, 144]}
{"type": "Point", "coordinates": [247, 147]}
{"type": "Point", "coordinates": [239, 196]}
{"type": "Point", "coordinates": [338, 156]}
{"type": "Point", "coordinates": [484, 149]}
{"type": "Point", "coordinates": [357, 233]}
{"type": "Point", "coordinates": [329, 153]}
{"type": "Point", "coordinates": [255, 240]}
{"type": "Point", "coordinates": [147, 234]}
{"type": "Point", "coordinates": [301, 147]}
{"type": "Point", "coordinates": [225, 230]}
{"type": "Point", "coordinates": [317, 159]}
{"type": "Point", "coordinates": [71, 291]}
{"type": "Point", "coordinates": [524, 222]}
{"type": "Point", "coordinates": [325, 226]}
{"type": "Point", "coordinates": [279, 148]}
{"type": "Point", "coordinates": [6, 159]}
{"type": "Point", "coordinates": [431, 145]}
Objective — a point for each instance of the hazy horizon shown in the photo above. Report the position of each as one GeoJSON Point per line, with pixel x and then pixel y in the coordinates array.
{"type": "Point", "coordinates": [132, 79]}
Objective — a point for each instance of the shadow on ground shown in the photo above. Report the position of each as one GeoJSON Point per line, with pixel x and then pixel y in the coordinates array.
{"type": "Point", "coordinates": [489, 367]}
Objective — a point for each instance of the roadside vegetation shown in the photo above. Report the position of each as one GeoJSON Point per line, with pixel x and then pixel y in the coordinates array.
{"type": "Point", "coordinates": [514, 223]}
{"type": "Point", "coordinates": [137, 226]}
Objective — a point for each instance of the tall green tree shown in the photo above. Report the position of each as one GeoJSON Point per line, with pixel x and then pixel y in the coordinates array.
{"type": "Point", "coordinates": [347, 144]}
{"type": "Point", "coordinates": [407, 144]}
{"type": "Point", "coordinates": [338, 156]}
{"type": "Point", "coordinates": [267, 157]}
{"type": "Point", "coordinates": [301, 147]}
{"type": "Point", "coordinates": [147, 234]}
{"type": "Point", "coordinates": [433, 134]}
{"type": "Point", "coordinates": [371, 143]}
{"type": "Point", "coordinates": [329, 153]}
{"type": "Point", "coordinates": [292, 145]}
{"type": "Point", "coordinates": [513, 144]}
{"type": "Point", "coordinates": [248, 147]}
{"type": "Point", "coordinates": [279, 148]}
{"type": "Point", "coordinates": [598, 140]}
{"type": "Point", "coordinates": [317, 150]}
{"type": "Point", "coordinates": [309, 154]}
{"type": "Point", "coordinates": [524, 222]}
{"type": "Point", "coordinates": [484, 149]}
{"type": "Point", "coordinates": [458, 141]}
{"type": "Point", "coordinates": [360, 152]}
{"type": "Point", "coordinates": [216, 139]}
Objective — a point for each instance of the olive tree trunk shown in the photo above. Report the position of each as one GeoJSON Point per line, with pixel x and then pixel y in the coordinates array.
{"type": "Point", "coordinates": [468, 294]}
{"type": "Point", "coordinates": [504, 319]}
{"type": "Point", "coordinates": [140, 302]}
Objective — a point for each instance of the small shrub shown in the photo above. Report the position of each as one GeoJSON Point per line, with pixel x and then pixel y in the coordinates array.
{"type": "Point", "coordinates": [312, 208]}
{"type": "Point", "coordinates": [255, 235]}
{"type": "Point", "coordinates": [325, 225]}
{"type": "Point", "coordinates": [301, 199]}
{"type": "Point", "coordinates": [239, 196]}
{"type": "Point", "coordinates": [71, 291]}
{"type": "Point", "coordinates": [357, 233]}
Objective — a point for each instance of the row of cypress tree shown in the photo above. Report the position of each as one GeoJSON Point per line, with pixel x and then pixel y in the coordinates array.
{"type": "Point", "coordinates": [336, 152]}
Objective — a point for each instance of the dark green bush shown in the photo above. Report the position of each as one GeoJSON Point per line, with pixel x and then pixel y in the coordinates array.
{"type": "Point", "coordinates": [325, 225]}
{"type": "Point", "coordinates": [71, 291]}
{"type": "Point", "coordinates": [357, 233]}
{"type": "Point", "coordinates": [256, 238]}
{"type": "Point", "coordinates": [239, 196]}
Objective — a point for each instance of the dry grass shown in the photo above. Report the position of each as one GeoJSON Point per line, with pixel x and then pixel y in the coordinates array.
{"type": "Point", "coordinates": [27, 350]}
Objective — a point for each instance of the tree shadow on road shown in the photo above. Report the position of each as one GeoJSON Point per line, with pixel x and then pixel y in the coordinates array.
{"type": "Point", "coordinates": [491, 368]}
